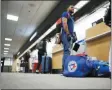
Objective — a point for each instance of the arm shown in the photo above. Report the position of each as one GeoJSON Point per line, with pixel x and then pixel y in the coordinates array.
{"type": "Point", "coordinates": [65, 25]}
{"type": "Point", "coordinates": [64, 22]}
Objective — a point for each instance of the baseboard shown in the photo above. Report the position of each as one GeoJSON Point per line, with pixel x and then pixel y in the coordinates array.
{"type": "Point", "coordinates": [56, 71]}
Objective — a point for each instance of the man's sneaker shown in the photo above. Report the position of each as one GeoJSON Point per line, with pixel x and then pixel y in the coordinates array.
{"type": "Point", "coordinates": [37, 71]}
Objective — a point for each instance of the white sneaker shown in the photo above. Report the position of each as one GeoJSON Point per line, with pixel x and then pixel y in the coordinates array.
{"type": "Point", "coordinates": [37, 71]}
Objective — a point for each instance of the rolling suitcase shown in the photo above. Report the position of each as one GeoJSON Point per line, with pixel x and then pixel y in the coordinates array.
{"type": "Point", "coordinates": [46, 64]}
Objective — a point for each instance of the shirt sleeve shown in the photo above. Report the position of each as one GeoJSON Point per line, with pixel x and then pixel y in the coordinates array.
{"type": "Point", "coordinates": [65, 14]}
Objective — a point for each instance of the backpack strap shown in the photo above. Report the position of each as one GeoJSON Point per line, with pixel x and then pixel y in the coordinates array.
{"type": "Point", "coordinates": [68, 15]}
{"type": "Point", "coordinates": [58, 21]}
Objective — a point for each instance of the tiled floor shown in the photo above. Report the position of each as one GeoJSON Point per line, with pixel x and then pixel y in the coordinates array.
{"type": "Point", "coordinates": [50, 81]}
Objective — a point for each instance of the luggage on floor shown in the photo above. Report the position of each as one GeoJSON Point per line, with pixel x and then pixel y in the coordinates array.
{"type": "Point", "coordinates": [46, 64]}
{"type": "Point", "coordinates": [100, 68]}
{"type": "Point", "coordinates": [76, 66]}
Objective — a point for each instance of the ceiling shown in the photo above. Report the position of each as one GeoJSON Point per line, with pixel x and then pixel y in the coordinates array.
{"type": "Point", "coordinates": [31, 15]}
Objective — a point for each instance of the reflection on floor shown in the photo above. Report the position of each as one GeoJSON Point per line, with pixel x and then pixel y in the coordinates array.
{"type": "Point", "coordinates": [50, 81]}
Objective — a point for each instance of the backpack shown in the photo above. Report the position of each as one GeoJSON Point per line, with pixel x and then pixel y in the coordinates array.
{"type": "Point", "coordinates": [58, 30]}
{"type": "Point", "coordinates": [59, 24]}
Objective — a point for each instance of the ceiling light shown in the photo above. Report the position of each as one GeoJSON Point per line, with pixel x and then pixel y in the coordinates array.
{"type": "Point", "coordinates": [12, 17]}
{"type": "Point", "coordinates": [79, 5]}
{"type": "Point", "coordinates": [33, 36]}
{"type": "Point", "coordinates": [18, 53]}
{"type": "Point", "coordinates": [6, 51]}
{"type": "Point", "coordinates": [6, 48]}
{"type": "Point", "coordinates": [7, 44]}
{"type": "Point", "coordinates": [8, 39]}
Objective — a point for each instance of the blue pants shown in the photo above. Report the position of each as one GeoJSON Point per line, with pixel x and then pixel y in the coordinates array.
{"type": "Point", "coordinates": [66, 48]}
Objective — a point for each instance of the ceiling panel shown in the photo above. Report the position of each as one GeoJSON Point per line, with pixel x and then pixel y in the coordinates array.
{"type": "Point", "coordinates": [14, 7]}
{"type": "Point", "coordinates": [44, 10]}
{"type": "Point", "coordinates": [28, 10]}
{"type": "Point", "coordinates": [24, 21]}
{"type": "Point", "coordinates": [11, 26]}
{"type": "Point", "coordinates": [31, 14]}
{"type": "Point", "coordinates": [40, 15]}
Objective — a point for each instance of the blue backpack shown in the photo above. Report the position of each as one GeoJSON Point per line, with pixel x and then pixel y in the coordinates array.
{"type": "Point", "coordinates": [76, 66]}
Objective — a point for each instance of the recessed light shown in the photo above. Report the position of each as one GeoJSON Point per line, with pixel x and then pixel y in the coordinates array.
{"type": "Point", "coordinates": [8, 39]}
{"type": "Point", "coordinates": [33, 36]}
{"type": "Point", "coordinates": [18, 53]}
{"type": "Point", "coordinates": [6, 51]}
{"type": "Point", "coordinates": [7, 44]}
{"type": "Point", "coordinates": [12, 17]}
{"type": "Point", "coordinates": [79, 5]}
{"type": "Point", "coordinates": [6, 48]}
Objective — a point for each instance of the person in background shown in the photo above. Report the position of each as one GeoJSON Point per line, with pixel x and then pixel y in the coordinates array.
{"type": "Point", "coordinates": [2, 63]}
{"type": "Point", "coordinates": [41, 46]}
{"type": "Point", "coordinates": [67, 33]}
{"type": "Point", "coordinates": [26, 60]}
{"type": "Point", "coordinates": [107, 17]}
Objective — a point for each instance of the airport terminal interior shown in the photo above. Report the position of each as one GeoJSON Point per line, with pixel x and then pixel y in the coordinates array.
{"type": "Point", "coordinates": [33, 48]}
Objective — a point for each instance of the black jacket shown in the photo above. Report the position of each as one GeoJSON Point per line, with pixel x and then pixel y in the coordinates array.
{"type": "Point", "coordinates": [41, 46]}
{"type": "Point", "coordinates": [107, 17]}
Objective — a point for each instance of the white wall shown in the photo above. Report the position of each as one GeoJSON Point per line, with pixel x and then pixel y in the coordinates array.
{"type": "Point", "coordinates": [81, 26]}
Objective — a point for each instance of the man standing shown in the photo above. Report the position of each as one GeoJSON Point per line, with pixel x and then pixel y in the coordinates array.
{"type": "Point", "coordinates": [67, 34]}
{"type": "Point", "coordinates": [26, 60]}
{"type": "Point", "coordinates": [41, 46]}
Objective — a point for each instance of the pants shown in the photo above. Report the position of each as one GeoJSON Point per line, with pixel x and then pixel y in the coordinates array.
{"type": "Point", "coordinates": [26, 67]}
{"type": "Point", "coordinates": [67, 47]}
{"type": "Point", "coordinates": [39, 60]}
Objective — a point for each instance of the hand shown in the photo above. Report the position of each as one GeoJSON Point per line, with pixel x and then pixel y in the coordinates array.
{"type": "Point", "coordinates": [69, 37]}
{"type": "Point", "coordinates": [74, 39]}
